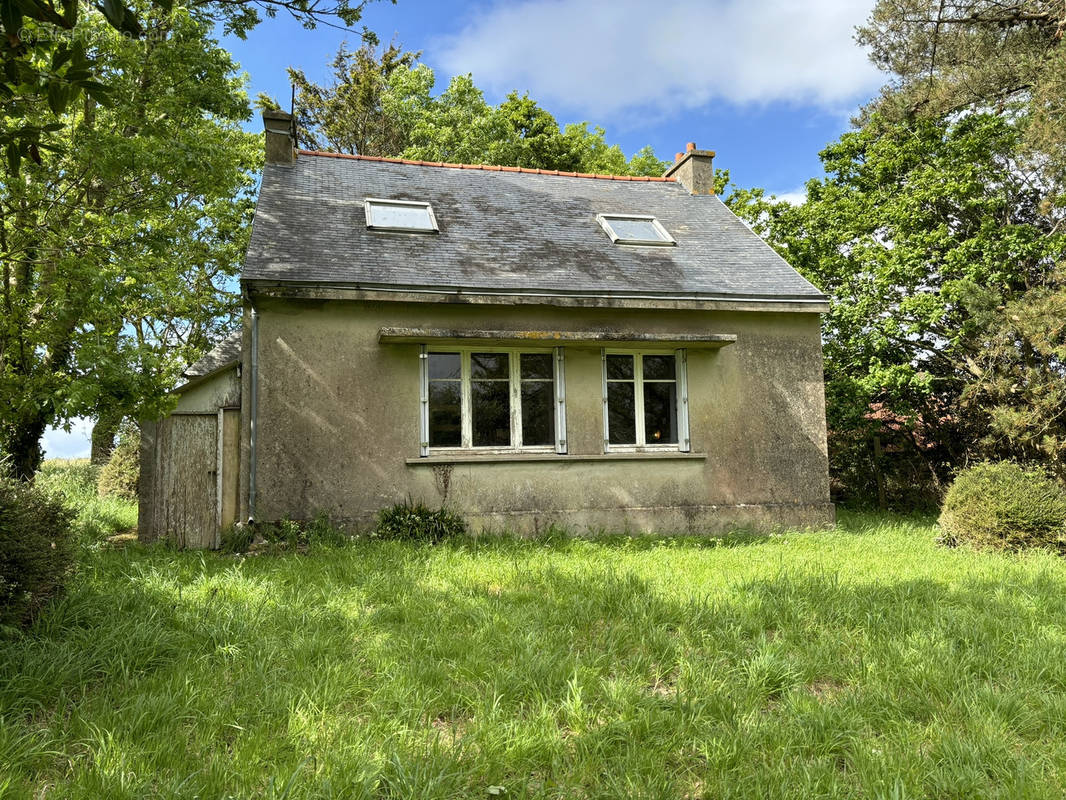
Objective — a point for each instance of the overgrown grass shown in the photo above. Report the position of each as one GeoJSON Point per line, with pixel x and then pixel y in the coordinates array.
{"type": "Point", "coordinates": [98, 516]}
{"type": "Point", "coordinates": [865, 662]}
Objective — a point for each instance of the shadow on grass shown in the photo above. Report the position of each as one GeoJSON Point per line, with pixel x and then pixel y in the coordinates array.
{"type": "Point", "coordinates": [393, 668]}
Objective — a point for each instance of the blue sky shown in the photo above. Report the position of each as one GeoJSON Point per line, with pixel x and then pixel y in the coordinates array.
{"type": "Point", "coordinates": [765, 84]}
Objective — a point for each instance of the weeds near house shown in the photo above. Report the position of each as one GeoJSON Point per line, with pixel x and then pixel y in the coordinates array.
{"type": "Point", "coordinates": [99, 516]}
{"type": "Point", "coordinates": [866, 662]}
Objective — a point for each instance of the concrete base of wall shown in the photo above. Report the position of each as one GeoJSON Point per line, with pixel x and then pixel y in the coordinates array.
{"type": "Point", "coordinates": [663, 520]}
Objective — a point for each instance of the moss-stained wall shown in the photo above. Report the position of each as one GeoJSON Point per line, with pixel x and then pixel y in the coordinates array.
{"type": "Point", "coordinates": [338, 423]}
{"type": "Point", "coordinates": [219, 391]}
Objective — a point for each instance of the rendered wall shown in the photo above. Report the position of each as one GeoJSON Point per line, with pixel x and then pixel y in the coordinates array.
{"type": "Point", "coordinates": [219, 391]}
{"type": "Point", "coordinates": [338, 424]}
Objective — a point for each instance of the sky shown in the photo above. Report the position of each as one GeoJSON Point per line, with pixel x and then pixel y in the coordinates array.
{"type": "Point", "coordinates": [766, 84]}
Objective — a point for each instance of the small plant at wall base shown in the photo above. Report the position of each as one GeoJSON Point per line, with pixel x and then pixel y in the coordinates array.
{"type": "Point", "coordinates": [36, 549]}
{"type": "Point", "coordinates": [1005, 507]}
{"type": "Point", "coordinates": [418, 522]}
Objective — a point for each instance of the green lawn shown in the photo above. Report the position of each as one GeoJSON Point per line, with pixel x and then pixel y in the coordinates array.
{"type": "Point", "coordinates": [865, 662]}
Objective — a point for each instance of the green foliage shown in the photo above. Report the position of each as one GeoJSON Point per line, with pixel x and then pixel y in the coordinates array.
{"type": "Point", "coordinates": [119, 250]}
{"type": "Point", "coordinates": [570, 669]}
{"type": "Point", "coordinates": [48, 65]}
{"type": "Point", "coordinates": [36, 549]}
{"type": "Point", "coordinates": [290, 534]}
{"type": "Point", "coordinates": [976, 55]}
{"type": "Point", "coordinates": [380, 103]}
{"type": "Point", "coordinates": [237, 538]}
{"type": "Point", "coordinates": [74, 484]}
{"type": "Point", "coordinates": [1005, 507]}
{"type": "Point", "coordinates": [409, 521]}
{"type": "Point", "coordinates": [929, 238]}
{"type": "Point", "coordinates": [121, 474]}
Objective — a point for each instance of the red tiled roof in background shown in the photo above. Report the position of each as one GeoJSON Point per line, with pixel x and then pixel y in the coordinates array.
{"type": "Point", "coordinates": [487, 167]}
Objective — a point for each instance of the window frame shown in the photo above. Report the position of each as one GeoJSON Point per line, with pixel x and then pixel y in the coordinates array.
{"type": "Point", "coordinates": [605, 222]}
{"type": "Point", "coordinates": [684, 441]}
{"type": "Point", "coordinates": [514, 355]}
{"type": "Point", "coordinates": [367, 202]}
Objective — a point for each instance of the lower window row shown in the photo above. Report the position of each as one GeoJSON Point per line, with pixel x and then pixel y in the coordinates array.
{"type": "Point", "coordinates": [515, 399]}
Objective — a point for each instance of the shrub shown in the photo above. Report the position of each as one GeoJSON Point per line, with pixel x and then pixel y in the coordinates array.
{"type": "Point", "coordinates": [1004, 506]}
{"type": "Point", "coordinates": [237, 538]}
{"type": "Point", "coordinates": [291, 534]}
{"type": "Point", "coordinates": [36, 549]}
{"type": "Point", "coordinates": [120, 475]}
{"type": "Point", "coordinates": [418, 522]}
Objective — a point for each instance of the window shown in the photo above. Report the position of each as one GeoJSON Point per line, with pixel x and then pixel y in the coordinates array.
{"type": "Point", "coordinates": [635, 229]}
{"type": "Point", "coordinates": [399, 215]}
{"type": "Point", "coordinates": [493, 399]}
{"type": "Point", "coordinates": [645, 400]}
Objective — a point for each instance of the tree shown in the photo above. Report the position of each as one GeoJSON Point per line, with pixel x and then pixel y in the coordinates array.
{"type": "Point", "coordinates": [348, 116]}
{"type": "Point", "coordinates": [47, 66]}
{"type": "Point", "coordinates": [954, 55]}
{"type": "Point", "coordinates": [380, 103]}
{"type": "Point", "coordinates": [119, 250]}
{"type": "Point", "coordinates": [926, 235]}
{"type": "Point", "coordinates": [952, 58]}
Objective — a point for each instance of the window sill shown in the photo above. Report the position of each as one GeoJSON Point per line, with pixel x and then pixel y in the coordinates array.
{"type": "Point", "coordinates": [551, 458]}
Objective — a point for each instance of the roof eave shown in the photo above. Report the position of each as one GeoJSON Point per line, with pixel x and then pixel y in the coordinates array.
{"type": "Point", "coordinates": [319, 290]}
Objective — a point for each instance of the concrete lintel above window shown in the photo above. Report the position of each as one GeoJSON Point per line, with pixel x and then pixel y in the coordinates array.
{"type": "Point", "coordinates": [459, 336]}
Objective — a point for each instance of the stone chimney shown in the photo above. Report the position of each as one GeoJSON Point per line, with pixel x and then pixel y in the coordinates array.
{"type": "Point", "coordinates": [279, 140]}
{"type": "Point", "coordinates": [694, 169]}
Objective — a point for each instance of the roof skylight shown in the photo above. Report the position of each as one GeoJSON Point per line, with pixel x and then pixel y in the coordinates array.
{"type": "Point", "coordinates": [635, 229]}
{"type": "Point", "coordinates": [400, 215]}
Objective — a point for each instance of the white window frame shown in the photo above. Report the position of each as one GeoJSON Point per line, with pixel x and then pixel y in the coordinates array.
{"type": "Point", "coordinates": [367, 210]}
{"type": "Point", "coordinates": [684, 441]}
{"type": "Point", "coordinates": [666, 241]}
{"type": "Point", "coordinates": [515, 388]}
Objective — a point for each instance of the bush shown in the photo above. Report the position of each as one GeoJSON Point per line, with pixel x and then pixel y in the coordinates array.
{"type": "Point", "coordinates": [291, 534]}
{"type": "Point", "coordinates": [418, 522]}
{"type": "Point", "coordinates": [1003, 506]}
{"type": "Point", "coordinates": [36, 549]}
{"type": "Point", "coordinates": [120, 475]}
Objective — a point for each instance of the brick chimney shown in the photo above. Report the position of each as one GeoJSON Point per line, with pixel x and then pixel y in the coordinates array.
{"type": "Point", "coordinates": [279, 143]}
{"type": "Point", "coordinates": [694, 169]}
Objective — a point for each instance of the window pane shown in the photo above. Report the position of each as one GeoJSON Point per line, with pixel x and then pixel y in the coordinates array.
{"type": "Point", "coordinates": [445, 428]}
{"type": "Point", "coordinates": [621, 426]}
{"type": "Point", "coordinates": [491, 413]}
{"type": "Point", "coordinates": [489, 365]}
{"type": "Point", "coordinates": [536, 365]}
{"type": "Point", "coordinates": [387, 215]}
{"type": "Point", "coordinates": [620, 367]}
{"type": "Point", "coordinates": [635, 229]}
{"type": "Point", "coordinates": [445, 365]}
{"type": "Point", "coordinates": [538, 413]}
{"type": "Point", "coordinates": [660, 412]}
{"type": "Point", "coordinates": [657, 368]}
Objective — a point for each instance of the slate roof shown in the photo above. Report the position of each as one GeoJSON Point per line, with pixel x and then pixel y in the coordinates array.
{"type": "Point", "coordinates": [503, 230]}
{"type": "Point", "coordinates": [226, 352]}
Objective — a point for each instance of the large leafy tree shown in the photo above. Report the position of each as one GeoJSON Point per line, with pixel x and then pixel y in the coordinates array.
{"type": "Point", "coordinates": [380, 103]}
{"type": "Point", "coordinates": [46, 65]}
{"type": "Point", "coordinates": [119, 249]}
{"type": "Point", "coordinates": [928, 236]}
{"type": "Point", "coordinates": [948, 56]}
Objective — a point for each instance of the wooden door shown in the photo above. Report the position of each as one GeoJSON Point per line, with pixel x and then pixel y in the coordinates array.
{"type": "Point", "coordinates": [185, 505]}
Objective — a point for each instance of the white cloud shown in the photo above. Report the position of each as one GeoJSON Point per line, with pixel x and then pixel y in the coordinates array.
{"type": "Point", "coordinates": [74, 443]}
{"type": "Point", "coordinates": [604, 58]}
{"type": "Point", "coordinates": [796, 197]}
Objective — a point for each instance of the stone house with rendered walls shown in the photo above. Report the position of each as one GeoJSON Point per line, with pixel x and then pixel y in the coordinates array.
{"type": "Point", "coordinates": [527, 347]}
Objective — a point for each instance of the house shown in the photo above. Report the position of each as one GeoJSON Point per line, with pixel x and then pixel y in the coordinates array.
{"type": "Point", "coordinates": [527, 347]}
